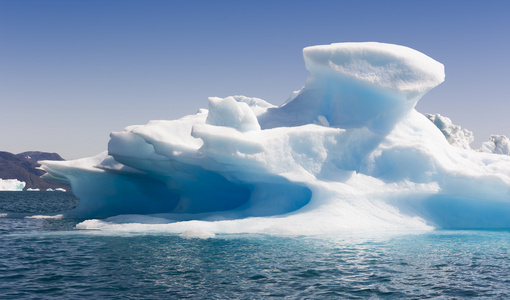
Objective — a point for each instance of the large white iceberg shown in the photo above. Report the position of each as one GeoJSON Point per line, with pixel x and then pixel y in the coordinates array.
{"type": "Point", "coordinates": [11, 185]}
{"type": "Point", "coordinates": [346, 152]}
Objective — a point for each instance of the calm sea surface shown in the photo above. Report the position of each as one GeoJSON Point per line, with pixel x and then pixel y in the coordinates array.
{"type": "Point", "coordinates": [49, 259]}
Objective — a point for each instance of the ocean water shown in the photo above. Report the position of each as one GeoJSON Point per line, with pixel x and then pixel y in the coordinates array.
{"type": "Point", "coordinates": [50, 259]}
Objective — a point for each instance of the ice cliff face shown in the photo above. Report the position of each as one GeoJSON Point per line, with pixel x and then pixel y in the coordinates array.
{"type": "Point", "coordinates": [346, 152]}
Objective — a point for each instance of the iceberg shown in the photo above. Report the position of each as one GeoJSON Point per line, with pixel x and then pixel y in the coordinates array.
{"type": "Point", "coordinates": [347, 152]}
{"type": "Point", "coordinates": [459, 137]}
{"type": "Point", "coordinates": [456, 135]}
{"type": "Point", "coordinates": [498, 144]}
{"type": "Point", "coordinates": [11, 185]}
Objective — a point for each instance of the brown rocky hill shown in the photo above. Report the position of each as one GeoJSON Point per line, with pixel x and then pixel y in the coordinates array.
{"type": "Point", "coordinates": [24, 167]}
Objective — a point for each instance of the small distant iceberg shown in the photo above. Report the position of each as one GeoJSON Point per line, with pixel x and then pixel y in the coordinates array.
{"type": "Point", "coordinates": [498, 144]}
{"type": "Point", "coordinates": [55, 190]}
{"type": "Point", "coordinates": [454, 134]}
{"type": "Point", "coordinates": [462, 138]}
{"type": "Point", "coordinates": [11, 185]}
{"type": "Point", "coordinates": [32, 190]}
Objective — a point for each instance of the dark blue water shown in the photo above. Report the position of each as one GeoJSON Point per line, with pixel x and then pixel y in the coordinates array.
{"type": "Point", "coordinates": [49, 259]}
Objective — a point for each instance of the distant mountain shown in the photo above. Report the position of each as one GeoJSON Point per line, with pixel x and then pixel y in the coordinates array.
{"type": "Point", "coordinates": [24, 166]}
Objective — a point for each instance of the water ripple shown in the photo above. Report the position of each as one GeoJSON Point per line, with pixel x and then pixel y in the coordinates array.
{"type": "Point", "coordinates": [47, 259]}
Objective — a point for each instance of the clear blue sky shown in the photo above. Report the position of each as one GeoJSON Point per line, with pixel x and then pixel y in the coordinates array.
{"type": "Point", "coordinates": [73, 71]}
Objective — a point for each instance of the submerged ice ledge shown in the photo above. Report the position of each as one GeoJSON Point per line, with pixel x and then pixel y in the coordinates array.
{"type": "Point", "coordinates": [346, 152]}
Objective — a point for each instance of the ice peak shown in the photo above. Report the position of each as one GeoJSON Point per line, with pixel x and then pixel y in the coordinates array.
{"type": "Point", "coordinates": [355, 85]}
{"type": "Point", "coordinates": [386, 65]}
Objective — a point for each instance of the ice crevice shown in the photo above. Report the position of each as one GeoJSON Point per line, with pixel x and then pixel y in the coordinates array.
{"type": "Point", "coordinates": [346, 152]}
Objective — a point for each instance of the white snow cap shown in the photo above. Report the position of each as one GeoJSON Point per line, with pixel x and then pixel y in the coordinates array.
{"type": "Point", "coordinates": [386, 65]}
{"type": "Point", "coordinates": [371, 85]}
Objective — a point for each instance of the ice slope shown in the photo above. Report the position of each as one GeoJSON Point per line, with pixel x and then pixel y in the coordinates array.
{"type": "Point", "coordinates": [11, 185]}
{"type": "Point", "coordinates": [347, 152]}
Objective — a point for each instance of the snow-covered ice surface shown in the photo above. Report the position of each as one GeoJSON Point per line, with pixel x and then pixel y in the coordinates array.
{"type": "Point", "coordinates": [11, 185]}
{"type": "Point", "coordinates": [348, 152]}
